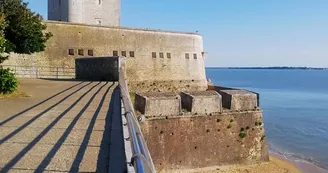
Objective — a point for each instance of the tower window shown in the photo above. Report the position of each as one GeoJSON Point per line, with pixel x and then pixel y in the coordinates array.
{"type": "Point", "coordinates": [187, 55]}
{"type": "Point", "coordinates": [81, 52]}
{"type": "Point", "coordinates": [115, 53]}
{"type": "Point", "coordinates": [153, 54]}
{"type": "Point", "coordinates": [195, 56]}
{"type": "Point", "coordinates": [99, 2]}
{"type": "Point", "coordinates": [161, 55]}
{"type": "Point", "coordinates": [132, 54]}
{"type": "Point", "coordinates": [168, 55]}
{"type": "Point", "coordinates": [123, 53]}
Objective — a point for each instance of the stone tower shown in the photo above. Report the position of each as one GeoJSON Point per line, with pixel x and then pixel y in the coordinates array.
{"type": "Point", "coordinates": [94, 12]}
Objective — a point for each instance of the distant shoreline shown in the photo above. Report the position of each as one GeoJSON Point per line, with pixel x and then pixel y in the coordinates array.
{"type": "Point", "coordinates": [270, 68]}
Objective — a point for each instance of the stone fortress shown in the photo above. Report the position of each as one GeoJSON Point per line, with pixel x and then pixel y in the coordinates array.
{"type": "Point", "coordinates": [189, 123]}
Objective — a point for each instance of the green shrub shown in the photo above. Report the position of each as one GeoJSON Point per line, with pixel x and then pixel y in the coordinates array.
{"type": "Point", "coordinates": [242, 135]}
{"type": "Point", "coordinates": [8, 81]}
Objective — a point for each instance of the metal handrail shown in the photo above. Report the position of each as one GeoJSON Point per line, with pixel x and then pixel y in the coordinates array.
{"type": "Point", "coordinates": [141, 158]}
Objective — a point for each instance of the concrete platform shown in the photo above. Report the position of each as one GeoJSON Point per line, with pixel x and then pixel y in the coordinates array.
{"type": "Point", "coordinates": [201, 102]}
{"type": "Point", "coordinates": [64, 127]}
{"type": "Point", "coordinates": [238, 100]}
{"type": "Point", "coordinates": [158, 103]}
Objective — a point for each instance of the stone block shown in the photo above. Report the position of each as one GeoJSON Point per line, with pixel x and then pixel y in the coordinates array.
{"type": "Point", "coordinates": [237, 100]}
{"type": "Point", "coordinates": [158, 104]}
{"type": "Point", "coordinates": [201, 102]}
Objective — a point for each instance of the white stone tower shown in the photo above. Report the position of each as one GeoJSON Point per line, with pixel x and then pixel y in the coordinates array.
{"type": "Point", "coordinates": [94, 12]}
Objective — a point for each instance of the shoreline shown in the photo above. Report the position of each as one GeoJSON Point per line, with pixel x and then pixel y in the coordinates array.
{"type": "Point", "coordinates": [302, 165]}
{"type": "Point", "coordinates": [278, 163]}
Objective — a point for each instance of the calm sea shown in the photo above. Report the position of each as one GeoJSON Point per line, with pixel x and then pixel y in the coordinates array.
{"type": "Point", "coordinates": [295, 105]}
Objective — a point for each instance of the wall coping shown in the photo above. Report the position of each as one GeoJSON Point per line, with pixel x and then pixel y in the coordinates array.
{"type": "Point", "coordinates": [122, 28]}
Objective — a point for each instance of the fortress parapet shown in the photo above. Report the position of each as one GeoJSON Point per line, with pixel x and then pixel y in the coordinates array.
{"type": "Point", "coordinates": [201, 102]}
{"type": "Point", "coordinates": [238, 100]}
{"type": "Point", "coordinates": [211, 130]}
{"type": "Point", "coordinates": [158, 104]}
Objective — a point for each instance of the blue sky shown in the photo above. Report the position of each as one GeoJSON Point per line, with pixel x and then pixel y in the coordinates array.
{"type": "Point", "coordinates": [238, 32]}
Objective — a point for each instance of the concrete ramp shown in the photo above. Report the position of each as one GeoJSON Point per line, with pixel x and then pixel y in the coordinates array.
{"type": "Point", "coordinates": [75, 130]}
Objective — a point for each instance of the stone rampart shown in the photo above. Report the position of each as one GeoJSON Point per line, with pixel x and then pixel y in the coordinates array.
{"type": "Point", "coordinates": [156, 60]}
{"type": "Point", "coordinates": [207, 133]}
{"type": "Point", "coordinates": [187, 142]}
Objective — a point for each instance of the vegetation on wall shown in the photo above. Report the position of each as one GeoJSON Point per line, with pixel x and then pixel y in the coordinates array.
{"type": "Point", "coordinates": [21, 31]}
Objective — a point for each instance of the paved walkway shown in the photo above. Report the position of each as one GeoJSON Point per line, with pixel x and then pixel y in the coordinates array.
{"type": "Point", "coordinates": [66, 127]}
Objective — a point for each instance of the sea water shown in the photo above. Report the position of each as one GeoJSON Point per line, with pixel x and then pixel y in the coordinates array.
{"type": "Point", "coordinates": [295, 108]}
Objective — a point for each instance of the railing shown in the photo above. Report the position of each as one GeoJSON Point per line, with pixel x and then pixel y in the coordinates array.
{"type": "Point", "coordinates": [42, 71]}
{"type": "Point", "coordinates": [141, 158]}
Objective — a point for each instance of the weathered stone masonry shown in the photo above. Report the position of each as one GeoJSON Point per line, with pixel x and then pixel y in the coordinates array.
{"type": "Point", "coordinates": [206, 133]}
{"type": "Point", "coordinates": [156, 60]}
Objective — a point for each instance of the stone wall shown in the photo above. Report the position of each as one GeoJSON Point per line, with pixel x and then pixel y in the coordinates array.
{"type": "Point", "coordinates": [156, 60]}
{"type": "Point", "coordinates": [97, 69]}
{"type": "Point", "coordinates": [187, 142]}
{"type": "Point", "coordinates": [207, 132]}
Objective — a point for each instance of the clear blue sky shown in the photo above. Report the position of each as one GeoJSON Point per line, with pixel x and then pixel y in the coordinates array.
{"type": "Point", "coordinates": [238, 32]}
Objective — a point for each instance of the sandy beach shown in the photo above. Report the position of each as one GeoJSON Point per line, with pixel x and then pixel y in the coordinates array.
{"type": "Point", "coordinates": [277, 164]}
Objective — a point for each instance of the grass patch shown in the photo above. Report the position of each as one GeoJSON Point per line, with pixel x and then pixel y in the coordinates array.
{"type": "Point", "coordinates": [15, 94]}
